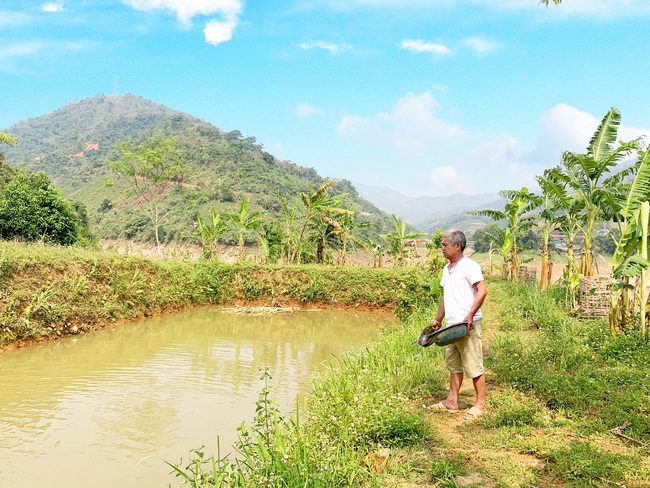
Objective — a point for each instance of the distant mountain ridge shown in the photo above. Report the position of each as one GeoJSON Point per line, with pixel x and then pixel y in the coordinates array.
{"type": "Point", "coordinates": [428, 213]}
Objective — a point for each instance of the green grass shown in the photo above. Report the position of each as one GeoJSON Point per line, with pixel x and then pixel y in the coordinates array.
{"type": "Point", "coordinates": [551, 406]}
{"type": "Point", "coordinates": [558, 384]}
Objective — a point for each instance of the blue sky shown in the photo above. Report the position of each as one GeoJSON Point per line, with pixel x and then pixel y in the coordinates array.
{"type": "Point", "coordinates": [428, 97]}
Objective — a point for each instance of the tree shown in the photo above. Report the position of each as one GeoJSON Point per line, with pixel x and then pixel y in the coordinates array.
{"type": "Point", "coordinates": [594, 191]}
{"type": "Point", "coordinates": [397, 240]}
{"type": "Point", "coordinates": [518, 220]}
{"type": "Point", "coordinates": [6, 173]}
{"type": "Point", "coordinates": [209, 233]}
{"type": "Point", "coordinates": [150, 170]}
{"type": "Point", "coordinates": [31, 208]}
{"type": "Point", "coordinates": [486, 237]}
{"type": "Point", "coordinates": [630, 258]}
{"type": "Point", "coordinates": [317, 203]}
{"type": "Point", "coordinates": [6, 139]}
{"type": "Point", "coordinates": [244, 223]}
{"type": "Point", "coordinates": [343, 229]}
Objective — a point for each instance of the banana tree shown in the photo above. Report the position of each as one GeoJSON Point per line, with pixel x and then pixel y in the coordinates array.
{"type": "Point", "coordinates": [398, 238]}
{"type": "Point", "coordinates": [519, 220]}
{"type": "Point", "coordinates": [210, 232]}
{"type": "Point", "coordinates": [288, 231]}
{"type": "Point", "coordinates": [566, 210]}
{"type": "Point", "coordinates": [243, 222]}
{"type": "Point", "coordinates": [547, 224]}
{"type": "Point", "coordinates": [591, 183]}
{"type": "Point", "coordinates": [636, 265]}
{"type": "Point", "coordinates": [316, 204]}
{"type": "Point", "coordinates": [343, 228]}
{"type": "Point", "coordinates": [630, 258]}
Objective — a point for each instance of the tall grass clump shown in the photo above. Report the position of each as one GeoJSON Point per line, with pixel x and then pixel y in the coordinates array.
{"type": "Point", "coordinates": [573, 365]}
{"type": "Point", "coordinates": [51, 291]}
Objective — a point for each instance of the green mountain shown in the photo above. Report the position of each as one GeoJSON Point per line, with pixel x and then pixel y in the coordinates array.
{"type": "Point", "coordinates": [74, 145]}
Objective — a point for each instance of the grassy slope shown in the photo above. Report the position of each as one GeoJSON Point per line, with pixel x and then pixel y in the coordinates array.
{"type": "Point", "coordinates": [554, 394]}
{"type": "Point", "coordinates": [50, 291]}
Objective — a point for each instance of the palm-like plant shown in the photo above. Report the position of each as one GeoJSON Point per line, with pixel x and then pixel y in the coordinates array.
{"type": "Point", "coordinates": [630, 258]}
{"type": "Point", "coordinates": [243, 222]}
{"type": "Point", "coordinates": [590, 182]}
{"type": "Point", "coordinates": [343, 228]}
{"type": "Point", "coordinates": [317, 203]}
{"type": "Point", "coordinates": [519, 220]}
{"type": "Point", "coordinates": [566, 210]}
{"type": "Point", "coordinates": [209, 233]}
{"type": "Point", "coordinates": [398, 238]}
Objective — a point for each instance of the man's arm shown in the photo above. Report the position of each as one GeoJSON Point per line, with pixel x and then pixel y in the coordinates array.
{"type": "Point", "coordinates": [436, 323]}
{"type": "Point", "coordinates": [481, 293]}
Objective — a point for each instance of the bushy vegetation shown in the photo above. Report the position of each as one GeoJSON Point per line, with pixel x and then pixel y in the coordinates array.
{"type": "Point", "coordinates": [31, 209]}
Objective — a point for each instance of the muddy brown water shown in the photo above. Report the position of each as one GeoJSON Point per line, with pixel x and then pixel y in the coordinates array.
{"type": "Point", "coordinates": [105, 409]}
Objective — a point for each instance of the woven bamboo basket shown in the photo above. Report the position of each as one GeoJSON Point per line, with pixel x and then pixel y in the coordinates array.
{"type": "Point", "coordinates": [594, 297]}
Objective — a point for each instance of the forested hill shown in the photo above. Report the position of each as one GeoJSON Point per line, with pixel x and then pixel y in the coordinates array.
{"type": "Point", "coordinates": [74, 145]}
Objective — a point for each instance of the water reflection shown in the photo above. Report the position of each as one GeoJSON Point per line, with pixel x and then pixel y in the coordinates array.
{"type": "Point", "coordinates": [87, 410]}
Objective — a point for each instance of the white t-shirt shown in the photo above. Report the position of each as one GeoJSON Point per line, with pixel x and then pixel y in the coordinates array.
{"type": "Point", "coordinates": [459, 291]}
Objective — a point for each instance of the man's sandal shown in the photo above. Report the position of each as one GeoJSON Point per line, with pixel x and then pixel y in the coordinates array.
{"type": "Point", "coordinates": [473, 413]}
{"type": "Point", "coordinates": [440, 407]}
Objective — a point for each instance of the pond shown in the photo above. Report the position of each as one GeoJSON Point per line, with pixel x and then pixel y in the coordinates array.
{"type": "Point", "coordinates": [105, 409]}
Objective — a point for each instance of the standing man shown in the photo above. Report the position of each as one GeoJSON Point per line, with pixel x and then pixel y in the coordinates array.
{"type": "Point", "coordinates": [463, 294]}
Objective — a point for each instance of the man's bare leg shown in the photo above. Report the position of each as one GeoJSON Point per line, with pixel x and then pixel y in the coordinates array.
{"type": "Point", "coordinates": [479, 387]}
{"type": "Point", "coordinates": [455, 382]}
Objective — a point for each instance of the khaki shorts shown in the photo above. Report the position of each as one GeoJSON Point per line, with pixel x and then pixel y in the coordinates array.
{"type": "Point", "coordinates": [466, 356]}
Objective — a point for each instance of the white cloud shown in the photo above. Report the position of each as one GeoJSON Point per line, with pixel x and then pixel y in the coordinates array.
{"type": "Point", "coordinates": [447, 180]}
{"type": "Point", "coordinates": [566, 128]}
{"type": "Point", "coordinates": [187, 9]}
{"type": "Point", "coordinates": [424, 47]}
{"type": "Point", "coordinates": [411, 128]}
{"type": "Point", "coordinates": [215, 31]}
{"type": "Point", "coordinates": [52, 7]}
{"type": "Point", "coordinates": [307, 110]}
{"type": "Point", "coordinates": [324, 45]}
{"type": "Point", "coordinates": [480, 44]}
{"type": "Point", "coordinates": [562, 128]}
{"type": "Point", "coordinates": [20, 50]}
{"type": "Point", "coordinates": [13, 19]}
